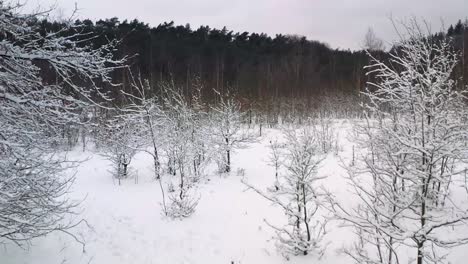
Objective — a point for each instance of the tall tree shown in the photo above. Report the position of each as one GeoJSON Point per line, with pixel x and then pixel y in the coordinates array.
{"type": "Point", "coordinates": [372, 42]}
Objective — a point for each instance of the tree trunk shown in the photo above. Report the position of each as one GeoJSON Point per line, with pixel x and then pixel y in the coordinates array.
{"type": "Point", "coordinates": [125, 165]}
{"type": "Point", "coordinates": [157, 165]}
{"type": "Point", "coordinates": [306, 223]}
{"type": "Point", "coordinates": [228, 161]}
{"type": "Point", "coordinates": [228, 157]}
{"type": "Point", "coordinates": [420, 253]}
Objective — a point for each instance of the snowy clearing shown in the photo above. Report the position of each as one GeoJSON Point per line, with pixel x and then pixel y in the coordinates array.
{"type": "Point", "coordinates": [227, 227]}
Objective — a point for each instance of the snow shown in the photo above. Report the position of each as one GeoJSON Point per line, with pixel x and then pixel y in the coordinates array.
{"type": "Point", "coordinates": [127, 225]}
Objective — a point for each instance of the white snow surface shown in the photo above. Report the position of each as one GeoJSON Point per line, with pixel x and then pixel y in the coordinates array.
{"type": "Point", "coordinates": [127, 225]}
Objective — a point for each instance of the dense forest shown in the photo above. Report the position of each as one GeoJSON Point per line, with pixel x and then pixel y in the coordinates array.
{"type": "Point", "coordinates": [270, 71]}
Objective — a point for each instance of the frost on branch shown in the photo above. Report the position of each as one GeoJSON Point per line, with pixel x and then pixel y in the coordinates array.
{"type": "Point", "coordinates": [121, 141]}
{"type": "Point", "coordinates": [147, 110]}
{"type": "Point", "coordinates": [34, 116]}
{"type": "Point", "coordinates": [227, 131]}
{"type": "Point", "coordinates": [185, 131]}
{"type": "Point", "coordinates": [409, 181]}
{"type": "Point", "coordinates": [275, 158]}
{"type": "Point", "coordinates": [298, 196]}
{"type": "Point", "coordinates": [144, 111]}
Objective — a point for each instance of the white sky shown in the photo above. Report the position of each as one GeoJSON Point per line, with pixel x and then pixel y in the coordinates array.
{"type": "Point", "coordinates": [340, 23]}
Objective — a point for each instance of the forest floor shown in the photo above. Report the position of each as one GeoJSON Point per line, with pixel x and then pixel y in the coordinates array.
{"type": "Point", "coordinates": [126, 224]}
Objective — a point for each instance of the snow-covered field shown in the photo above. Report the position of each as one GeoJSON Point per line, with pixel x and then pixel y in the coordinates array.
{"type": "Point", "coordinates": [127, 225]}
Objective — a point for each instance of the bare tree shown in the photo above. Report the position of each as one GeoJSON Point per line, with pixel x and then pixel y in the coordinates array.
{"type": "Point", "coordinates": [275, 160]}
{"type": "Point", "coordinates": [147, 112]}
{"type": "Point", "coordinates": [416, 143]}
{"type": "Point", "coordinates": [324, 132]}
{"type": "Point", "coordinates": [33, 115]}
{"type": "Point", "coordinates": [227, 130]}
{"type": "Point", "coordinates": [184, 142]}
{"type": "Point", "coordinates": [299, 197]}
{"type": "Point", "coordinates": [372, 42]}
{"type": "Point", "coordinates": [121, 141]}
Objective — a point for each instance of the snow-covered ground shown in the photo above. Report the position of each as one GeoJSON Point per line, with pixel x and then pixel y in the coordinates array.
{"type": "Point", "coordinates": [228, 226]}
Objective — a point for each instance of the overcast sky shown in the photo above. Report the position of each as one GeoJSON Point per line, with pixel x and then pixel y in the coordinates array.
{"type": "Point", "coordinates": [340, 23]}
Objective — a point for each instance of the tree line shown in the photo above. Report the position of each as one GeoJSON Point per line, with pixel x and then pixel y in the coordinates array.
{"type": "Point", "coordinates": [285, 73]}
{"type": "Point", "coordinates": [266, 70]}
{"type": "Point", "coordinates": [256, 66]}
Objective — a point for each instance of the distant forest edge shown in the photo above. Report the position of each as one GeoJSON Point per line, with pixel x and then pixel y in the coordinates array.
{"type": "Point", "coordinates": [265, 72]}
